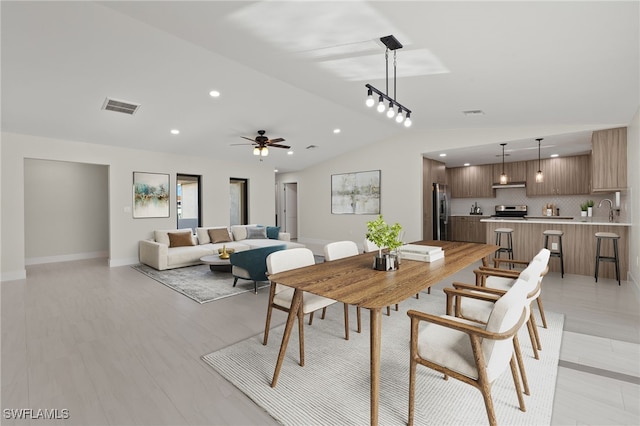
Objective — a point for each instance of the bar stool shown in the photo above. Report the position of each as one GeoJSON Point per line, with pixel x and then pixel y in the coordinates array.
{"type": "Point", "coordinates": [509, 248]}
{"type": "Point", "coordinates": [608, 236]}
{"type": "Point", "coordinates": [555, 253]}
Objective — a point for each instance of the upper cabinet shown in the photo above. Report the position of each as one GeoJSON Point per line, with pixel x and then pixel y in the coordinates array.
{"type": "Point", "coordinates": [609, 159]}
{"type": "Point", "coordinates": [471, 181]}
{"type": "Point", "coordinates": [516, 171]}
{"type": "Point", "coordinates": [561, 176]}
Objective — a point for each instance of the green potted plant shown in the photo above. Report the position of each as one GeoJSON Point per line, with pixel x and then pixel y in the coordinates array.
{"type": "Point", "coordinates": [384, 236]}
{"type": "Point", "coordinates": [590, 204]}
{"type": "Point", "coordinates": [584, 207]}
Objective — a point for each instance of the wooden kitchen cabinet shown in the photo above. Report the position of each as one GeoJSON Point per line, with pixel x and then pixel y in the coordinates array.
{"type": "Point", "coordinates": [562, 176]}
{"type": "Point", "coordinates": [471, 181]}
{"type": "Point", "coordinates": [609, 159]}
{"type": "Point", "coordinates": [467, 228]}
{"type": "Point", "coordinates": [516, 171]}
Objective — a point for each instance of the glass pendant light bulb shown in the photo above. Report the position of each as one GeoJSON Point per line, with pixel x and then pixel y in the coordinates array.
{"type": "Point", "coordinates": [503, 178]}
{"type": "Point", "coordinates": [264, 151]}
{"type": "Point", "coordinates": [407, 121]}
{"type": "Point", "coordinates": [539, 177]}
{"type": "Point", "coordinates": [256, 151]}
{"type": "Point", "coordinates": [381, 106]}
{"type": "Point", "coordinates": [399, 117]}
{"type": "Point", "coordinates": [370, 101]}
{"type": "Point", "coordinates": [391, 112]}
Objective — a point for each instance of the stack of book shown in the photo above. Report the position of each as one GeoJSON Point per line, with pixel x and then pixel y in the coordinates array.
{"type": "Point", "coordinates": [421, 253]}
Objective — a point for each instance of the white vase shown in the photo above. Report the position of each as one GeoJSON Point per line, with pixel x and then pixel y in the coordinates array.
{"type": "Point", "coordinates": [583, 213]}
{"type": "Point", "coordinates": [589, 211]}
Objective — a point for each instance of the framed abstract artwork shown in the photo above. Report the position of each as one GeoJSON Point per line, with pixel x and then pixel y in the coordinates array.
{"type": "Point", "coordinates": [356, 193]}
{"type": "Point", "coordinates": [150, 195]}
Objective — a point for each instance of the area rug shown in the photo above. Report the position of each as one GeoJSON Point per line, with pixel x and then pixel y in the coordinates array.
{"type": "Point", "coordinates": [333, 386]}
{"type": "Point", "coordinates": [199, 283]}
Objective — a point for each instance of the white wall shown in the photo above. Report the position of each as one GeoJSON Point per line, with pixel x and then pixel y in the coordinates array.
{"type": "Point", "coordinates": [633, 179]}
{"type": "Point", "coordinates": [400, 162]}
{"type": "Point", "coordinates": [66, 211]}
{"type": "Point", "coordinates": [124, 231]}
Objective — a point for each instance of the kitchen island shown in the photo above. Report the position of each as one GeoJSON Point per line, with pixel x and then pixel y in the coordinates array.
{"type": "Point", "coordinates": [578, 241]}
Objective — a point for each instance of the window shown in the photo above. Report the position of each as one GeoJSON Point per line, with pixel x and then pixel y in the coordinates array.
{"type": "Point", "coordinates": [188, 201]}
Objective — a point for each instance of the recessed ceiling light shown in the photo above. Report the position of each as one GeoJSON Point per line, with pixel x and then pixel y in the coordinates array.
{"type": "Point", "coordinates": [467, 164]}
{"type": "Point", "coordinates": [554, 155]}
{"type": "Point", "coordinates": [275, 170]}
{"type": "Point", "coordinates": [175, 131]}
{"type": "Point", "coordinates": [214, 93]}
{"type": "Point", "coordinates": [443, 155]}
{"type": "Point", "coordinates": [289, 152]}
{"type": "Point", "coordinates": [336, 131]}
{"type": "Point", "coordinates": [473, 112]}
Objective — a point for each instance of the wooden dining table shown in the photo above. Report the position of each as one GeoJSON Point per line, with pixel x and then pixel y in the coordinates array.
{"type": "Point", "coordinates": [353, 280]}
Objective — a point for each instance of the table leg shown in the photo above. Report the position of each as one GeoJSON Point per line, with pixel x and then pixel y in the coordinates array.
{"type": "Point", "coordinates": [375, 328]}
{"type": "Point", "coordinates": [293, 314]}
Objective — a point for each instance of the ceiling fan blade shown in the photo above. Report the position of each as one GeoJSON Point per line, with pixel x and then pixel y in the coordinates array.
{"type": "Point", "coordinates": [236, 144]}
{"type": "Point", "coordinates": [276, 140]}
{"type": "Point", "coordinates": [275, 145]}
{"type": "Point", "coordinates": [249, 139]}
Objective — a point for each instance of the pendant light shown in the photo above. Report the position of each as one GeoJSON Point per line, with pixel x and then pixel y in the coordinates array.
{"type": "Point", "coordinates": [503, 176]}
{"type": "Point", "coordinates": [539, 176]}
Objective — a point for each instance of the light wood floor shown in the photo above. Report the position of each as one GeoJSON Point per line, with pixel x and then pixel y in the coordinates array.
{"type": "Point", "coordinates": [115, 347]}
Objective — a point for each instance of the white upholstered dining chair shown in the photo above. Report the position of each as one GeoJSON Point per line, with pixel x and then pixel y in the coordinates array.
{"type": "Point", "coordinates": [280, 296]}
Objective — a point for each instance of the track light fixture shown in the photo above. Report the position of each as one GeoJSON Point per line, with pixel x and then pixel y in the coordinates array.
{"type": "Point", "coordinates": [539, 176]}
{"type": "Point", "coordinates": [503, 176]}
{"type": "Point", "coordinates": [392, 44]}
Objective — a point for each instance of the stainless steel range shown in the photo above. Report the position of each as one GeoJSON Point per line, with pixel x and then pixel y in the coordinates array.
{"type": "Point", "coordinates": [510, 212]}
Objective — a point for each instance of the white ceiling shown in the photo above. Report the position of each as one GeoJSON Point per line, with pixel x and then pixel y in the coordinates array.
{"type": "Point", "coordinates": [298, 69]}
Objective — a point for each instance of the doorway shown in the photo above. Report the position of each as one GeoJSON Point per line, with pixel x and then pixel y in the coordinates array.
{"type": "Point", "coordinates": [188, 201]}
{"type": "Point", "coordinates": [239, 202]}
{"type": "Point", "coordinates": [290, 222]}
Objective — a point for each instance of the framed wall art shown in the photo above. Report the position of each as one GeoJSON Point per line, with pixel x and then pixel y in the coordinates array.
{"type": "Point", "coordinates": [150, 195]}
{"type": "Point", "coordinates": [356, 193]}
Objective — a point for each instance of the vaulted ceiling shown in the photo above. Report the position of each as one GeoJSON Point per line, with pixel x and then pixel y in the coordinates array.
{"type": "Point", "coordinates": [297, 69]}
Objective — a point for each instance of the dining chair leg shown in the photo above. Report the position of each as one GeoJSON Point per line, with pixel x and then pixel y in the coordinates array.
{"type": "Point", "coordinates": [523, 374]}
{"type": "Point", "coordinates": [396, 307]}
{"type": "Point", "coordinates": [324, 312]}
{"type": "Point", "coordinates": [346, 321]}
{"type": "Point", "coordinates": [412, 369]}
{"type": "Point", "coordinates": [534, 344]}
{"type": "Point", "coordinates": [516, 383]}
{"type": "Point", "coordinates": [301, 334]}
{"type": "Point", "coordinates": [311, 318]}
{"type": "Point", "coordinates": [358, 314]}
{"type": "Point", "coordinates": [418, 294]}
{"type": "Point", "coordinates": [535, 330]}
{"type": "Point", "coordinates": [272, 292]}
{"type": "Point", "coordinates": [541, 309]}
{"type": "Point", "coordinates": [389, 311]}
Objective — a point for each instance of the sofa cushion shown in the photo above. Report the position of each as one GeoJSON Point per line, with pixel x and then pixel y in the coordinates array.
{"type": "Point", "coordinates": [273, 232]}
{"type": "Point", "coordinates": [203, 233]}
{"type": "Point", "coordinates": [256, 232]}
{"type": "Point", "coordinates": [181, 239]}
{"type": "Point", "coordinates": [219, 235]}
{"type": "Point", "coordinates": [162, 236]}
{"type": "Point", "coordinates": [239, 232]}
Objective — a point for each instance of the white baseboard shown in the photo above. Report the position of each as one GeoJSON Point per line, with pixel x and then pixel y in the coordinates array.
{"type": "Point", "coordinates": [123, 262]}
{"type": "Point", "coordinates": [65, 258]}
{"type": "Point", "coordinates": [13, 275]}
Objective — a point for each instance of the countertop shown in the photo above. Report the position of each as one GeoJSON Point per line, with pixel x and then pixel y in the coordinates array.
{"type": "Point", "coordinates": [561, 220]}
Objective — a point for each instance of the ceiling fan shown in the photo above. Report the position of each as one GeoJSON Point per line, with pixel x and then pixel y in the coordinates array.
{"type": "Point", "coordinates": [262, 144]}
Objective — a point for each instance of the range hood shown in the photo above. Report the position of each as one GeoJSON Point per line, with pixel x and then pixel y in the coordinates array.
{"type": "Point", "coordinates": [509, 185]}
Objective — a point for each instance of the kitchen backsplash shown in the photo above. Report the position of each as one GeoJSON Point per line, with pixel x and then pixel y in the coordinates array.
{"type": "Point", "coordinates": [569, 205]}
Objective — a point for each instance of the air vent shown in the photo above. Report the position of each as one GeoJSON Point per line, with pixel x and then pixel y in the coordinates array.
{"type": "Point", "coordinates": [473, 112]}
{"type": "Point", "coordinates": [124, 107]}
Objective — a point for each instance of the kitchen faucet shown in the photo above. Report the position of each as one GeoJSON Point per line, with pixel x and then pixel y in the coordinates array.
{"type": "Point", "coordinates": [610, 208]}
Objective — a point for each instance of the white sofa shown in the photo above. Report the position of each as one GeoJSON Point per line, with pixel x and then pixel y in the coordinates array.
{"type": "Point", "coordinates": [158, 254]}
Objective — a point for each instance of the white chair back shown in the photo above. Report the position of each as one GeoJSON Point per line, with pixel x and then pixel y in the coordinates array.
{"type": "Point", "coordinates": [506, 313]}
{"type": "Point", "coordinates": [340, 249]}
{"type": "Point", "coordinates": [285, 260]}
{"type": "Point", "coordinates": [369, 246]}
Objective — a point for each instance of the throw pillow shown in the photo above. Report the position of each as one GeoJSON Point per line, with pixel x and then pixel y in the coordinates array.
{"type": "Point", "coordinates": [256, 233]}
{"type": "Point", "coordinates": [219, 235]}
{"type": "Point", "coordinates": [273, 232]}
{"type": "Point", "coordinates": [180, 239]}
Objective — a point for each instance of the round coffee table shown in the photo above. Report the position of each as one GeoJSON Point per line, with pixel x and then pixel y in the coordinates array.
{"type": "Point", "coordinates": [215, 263]}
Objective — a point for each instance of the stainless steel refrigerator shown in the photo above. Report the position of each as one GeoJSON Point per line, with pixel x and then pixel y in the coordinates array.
{"type": "Point", "coordinates": [441, 212]}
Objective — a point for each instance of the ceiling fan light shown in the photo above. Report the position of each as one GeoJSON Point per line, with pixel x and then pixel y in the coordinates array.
{"type": "Point", "coordinates": [264, 151]}
{"type": "Point", "coordinates": [256, 151]}
{"type": "Point", "coordinates": [381, 106]}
